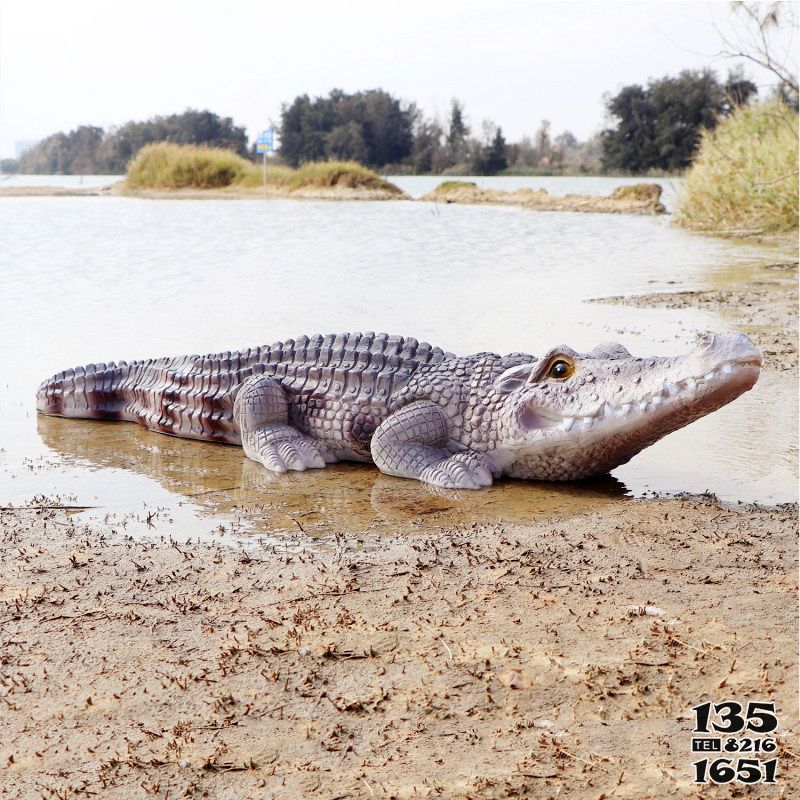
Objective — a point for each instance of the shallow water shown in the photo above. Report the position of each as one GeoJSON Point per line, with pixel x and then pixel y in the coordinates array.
{"type": "Point", "coordinates": [60, 181]}
{"type": "Point", "coordinates": [96, 279]}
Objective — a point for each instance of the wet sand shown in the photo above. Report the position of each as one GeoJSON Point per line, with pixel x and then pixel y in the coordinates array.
{"type": "Point", "coordinates": [426, 657]}
{"type": "Point", "coordinates": [477, 661]}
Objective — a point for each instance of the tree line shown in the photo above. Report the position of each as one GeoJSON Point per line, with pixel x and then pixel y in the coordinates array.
{"type": "Point", "coordinates": [650, 128]}
{"type": "Point", "coordinates": [89, 150]}
{"type": "Point", "coordinates": [379, 130]}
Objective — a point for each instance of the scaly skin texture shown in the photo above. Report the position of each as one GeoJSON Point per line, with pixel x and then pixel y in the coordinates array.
{"type": "Point", "coordinates": [414, 410]}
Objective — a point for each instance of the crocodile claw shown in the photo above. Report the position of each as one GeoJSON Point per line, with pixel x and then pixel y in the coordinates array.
{"type": "Point", "coordinates": [460, 471]}
{"type": "Point", "coordinates": [297, 452]}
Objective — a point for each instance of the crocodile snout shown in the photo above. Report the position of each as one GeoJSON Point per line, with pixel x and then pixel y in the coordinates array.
{"type": "Point", "coordinates": [727, 348]}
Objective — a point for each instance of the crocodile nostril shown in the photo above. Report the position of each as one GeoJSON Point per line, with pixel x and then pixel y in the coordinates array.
{"type": "Point", "coordinates": [706, 342]}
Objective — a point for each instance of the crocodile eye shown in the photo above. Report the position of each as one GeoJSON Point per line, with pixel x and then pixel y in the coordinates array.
{"type": "Point", "coordinates": [560, 369]}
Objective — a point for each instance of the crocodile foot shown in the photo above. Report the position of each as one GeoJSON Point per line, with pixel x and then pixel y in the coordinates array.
{"type": "Point", "coordinates": [281, 448]}
{"type": "Point", "coordinates": [460, 471]}
{"type": "Point", "coordinates": [413, 443]}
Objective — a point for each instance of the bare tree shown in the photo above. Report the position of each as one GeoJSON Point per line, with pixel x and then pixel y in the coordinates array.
{"type": "Point", "coordinates": [765, 34]}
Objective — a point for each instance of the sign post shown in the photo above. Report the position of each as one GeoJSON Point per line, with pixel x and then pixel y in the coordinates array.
{"type": "Point", "coordinates": [265, 143]}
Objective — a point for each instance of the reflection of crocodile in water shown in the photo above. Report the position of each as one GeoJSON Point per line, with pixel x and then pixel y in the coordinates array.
{"type": "Point", "coordinates": [414, 410]}
{"type": "Point", "coordinates": [219, 484]}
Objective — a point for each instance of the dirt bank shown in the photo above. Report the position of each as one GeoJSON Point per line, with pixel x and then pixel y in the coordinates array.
{"type": "Point", "coordinates": [227, 193]}
{"type": "Point", "coordinates": [495, 661]}
{"type": "Point", "coordinates": [641, 198]}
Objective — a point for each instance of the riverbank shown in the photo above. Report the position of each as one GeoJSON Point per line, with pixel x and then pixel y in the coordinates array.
{"type": "Point", "coordinates": [451, 662]}
{"type": "Point", "coordinates": [122, 189]}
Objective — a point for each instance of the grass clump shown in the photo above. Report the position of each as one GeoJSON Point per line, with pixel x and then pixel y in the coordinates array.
{"type": "Point", "coordinates": [339, 174]}
{"type": "Point", "coordinates": [321, 175]}
{"type": "Point", "coordinates": [452, 186]}
{"type": "Point", "coordinates": [744, 178]}
{"type": "Point", "coordinates": [647, 192]}
{"type": "Point", "coordinates": [173, 166]}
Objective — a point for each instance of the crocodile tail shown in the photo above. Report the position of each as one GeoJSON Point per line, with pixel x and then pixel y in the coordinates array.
{"type": "Point", "coordinates": [90, 392]}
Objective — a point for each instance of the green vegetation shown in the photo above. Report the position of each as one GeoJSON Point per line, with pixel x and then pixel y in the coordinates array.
{"type": "Point", "coordinates": [659, 128]}
{"type": "Point", "coordinates": [449, 186]}
{"type": "Point", "coordinates": [171, 166]}
{"type": "Point", "coordinates": [370, 127]}
{"type": "Point", "coordinates": [745, 176]}
{"type": "Point", "coordinates": [90, 150]}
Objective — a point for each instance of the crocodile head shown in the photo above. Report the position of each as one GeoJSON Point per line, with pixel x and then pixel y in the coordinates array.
{"type": "Point", "coordinates": [571, 415]}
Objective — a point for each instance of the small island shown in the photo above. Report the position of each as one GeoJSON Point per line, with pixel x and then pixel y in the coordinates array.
{"type": "Point", "coordinates": [641, 198]}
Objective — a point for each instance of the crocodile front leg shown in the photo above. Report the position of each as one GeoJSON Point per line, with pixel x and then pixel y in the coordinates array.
{"type": "Point", "coordinates": [261, 410]}
{"type": "Point", "coordinates": [412, 443]}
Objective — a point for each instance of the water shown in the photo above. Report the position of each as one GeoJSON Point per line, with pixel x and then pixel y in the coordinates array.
{"type": "Point", "coordinates": [59, 181]}
{"type": "Point", "coordinates": [88, 279]}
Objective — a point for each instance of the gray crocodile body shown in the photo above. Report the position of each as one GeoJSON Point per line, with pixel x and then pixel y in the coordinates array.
{"type": "Point", "coordinates": [413, 409]}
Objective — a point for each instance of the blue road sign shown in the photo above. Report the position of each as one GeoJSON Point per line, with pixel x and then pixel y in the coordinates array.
{"type": "Point", "coordinates": [265, 143]}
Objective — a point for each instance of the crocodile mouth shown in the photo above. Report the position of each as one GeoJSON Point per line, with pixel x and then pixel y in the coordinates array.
{"type": "Point", "coordinates": [693, 396]}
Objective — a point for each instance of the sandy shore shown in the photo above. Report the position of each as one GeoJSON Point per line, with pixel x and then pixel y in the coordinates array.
{"type": "Point", "coordinates": [497, 661]}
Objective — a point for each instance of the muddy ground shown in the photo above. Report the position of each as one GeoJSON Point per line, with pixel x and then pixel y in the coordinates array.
{"type": "Point", "coordinates": [556, 658]}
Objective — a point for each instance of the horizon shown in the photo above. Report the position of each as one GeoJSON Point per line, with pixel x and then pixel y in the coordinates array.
{"type": "Point", "coordinates": [513, 49]}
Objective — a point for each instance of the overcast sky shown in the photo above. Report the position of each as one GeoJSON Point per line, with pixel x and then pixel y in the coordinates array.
{"type": "Point", "coordinates": [98, 62]}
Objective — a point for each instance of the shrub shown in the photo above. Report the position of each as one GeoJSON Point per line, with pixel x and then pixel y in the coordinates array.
{"type": "Point", "coordinates": [172, 166]}
{"type": "Point", "coordinates": [744, 176]}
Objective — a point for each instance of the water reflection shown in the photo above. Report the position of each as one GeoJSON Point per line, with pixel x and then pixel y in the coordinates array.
{"type": "Point", "coordinates": [221, 483]}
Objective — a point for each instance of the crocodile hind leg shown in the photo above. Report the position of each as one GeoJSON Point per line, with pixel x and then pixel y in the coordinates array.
{"type": "Point", "coordinates": [412, 443]}
{"type": "Point", "coordinates": [261, 410]}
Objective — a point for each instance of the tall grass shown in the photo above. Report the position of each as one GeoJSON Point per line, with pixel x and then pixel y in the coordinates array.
{"type": "Point", "coordinates": [744, 178]}
{"type": "Point", "coordinates": [172, 166]}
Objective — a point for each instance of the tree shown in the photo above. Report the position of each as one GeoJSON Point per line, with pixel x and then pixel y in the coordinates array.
{"type": "Point", "coordinates": [684, 107]}
{"type": "Point", "coordinates": [491, 157]}
{"type": "Point", "coordinates": [346, 143]}
{"type": "Point", "coordinates": [660, 127]}
{"type": "Point", "coordinates": [89, 149]}
{"type": "Point", "coordinates": [631, 145]}
{"type": "Point", "coordinates": [372, 125]}
{"type": "Point", "coordinates": [428, 154]}
{"type": "Point", "coordinates": [765, 34]}
{"type": "Point", "coordinates": [457, 132]}
{"type": "Point", "coordinates": [542, 143]}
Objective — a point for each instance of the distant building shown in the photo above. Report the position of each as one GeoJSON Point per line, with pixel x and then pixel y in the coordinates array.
{"type": "Point", "coordinates": [23, 145]}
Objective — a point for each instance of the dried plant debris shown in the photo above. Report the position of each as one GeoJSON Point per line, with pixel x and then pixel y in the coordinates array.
{"type": "Point", "coordinates": [473, 661]}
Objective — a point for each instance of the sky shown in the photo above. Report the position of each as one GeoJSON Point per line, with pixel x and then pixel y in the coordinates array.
{"type": "Point", "coordinates": [95, 62]}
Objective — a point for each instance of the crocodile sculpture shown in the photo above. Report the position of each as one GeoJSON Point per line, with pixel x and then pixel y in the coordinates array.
{"type": "Point", "coordinates": [413, 409]}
